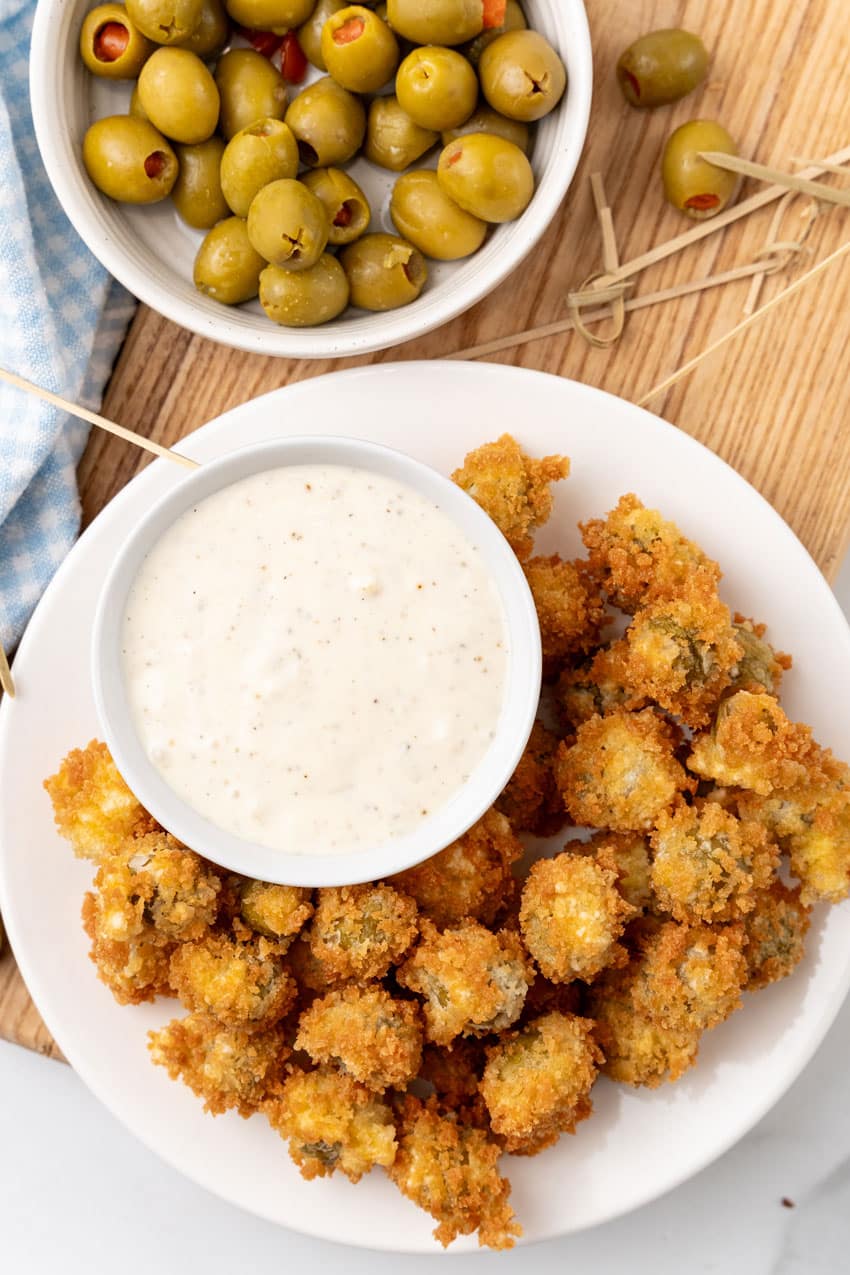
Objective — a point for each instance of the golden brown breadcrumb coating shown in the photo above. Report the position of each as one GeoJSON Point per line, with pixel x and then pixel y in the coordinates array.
{"type": "Point", "coordinates": [638, 1051]}
{"type": "Point", "coordinates": [93, 807]}
{"type": "Point", "coordinates": [689, 977]}
{"type": "Point", "coordinates": [776, 933]}
{"type": "Point", "coordinates": [680, 651]}
{"type": "Point", "coordinates": [760, 668]}
{"type": "Point", "coordinates": [450, 1170]}
{"type": "Point", "coordinates": [359, 931]}
{"type": "Point", "coordinates": [531, 801]}
{"type": "Point", "coordinates": [454, 1070]}
{"type": "Point", "coordinates": [153, 883]}
{"type": "Point", "coordinates": [570, 609]}
{"type": "Point", "coordinates": [707, 864]}
{"type": "Point", "coordinates": [226, 1066]}
{"type": "Point", "coordinates": [366, 1033]}
{"type": "Point", "coordinates": [640, 556]}
{"type": "Point", "coordinates": [571, 916]}
{"type": "Point", "coordinates": [470, 878]}
{"type": "Point", "coordinates": [626, 854]}
{"type": "Point", "coordinates": [135, 970]}
{"type": "Point", "coordinates": [276, 911]}
{"type": "Point", "coordinates": [473, 981]}
{"type": "Point", "coordinates": [537, 1081]}
{"type": "Point", "coordinates": [512, 488]}
{"type": "Point", "coordinates": [753, 745]}
{"type": "Point", "coordinates": [241, 983]}
{"type": "Point", "coordinates": [621, 772]}
{"type": "Point", "coordinates": [332, 1124]}
{"type": "Point", "coordinates": [593, 688]}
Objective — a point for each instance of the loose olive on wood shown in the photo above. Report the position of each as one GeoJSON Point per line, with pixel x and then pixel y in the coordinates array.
{"type": "Point", "coordinates": [691, 184]}
{"type": "Point", "coordinates": [661, 67]}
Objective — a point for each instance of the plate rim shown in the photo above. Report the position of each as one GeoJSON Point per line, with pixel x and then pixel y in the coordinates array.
{"type": "Point", "coordinates": [828, 1011]}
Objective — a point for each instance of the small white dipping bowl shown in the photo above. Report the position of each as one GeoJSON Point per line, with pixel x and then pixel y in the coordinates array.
{"type": "Point", "coordinates": [151, 251]}
{"type": "Point", "coordinates": [522, 688]}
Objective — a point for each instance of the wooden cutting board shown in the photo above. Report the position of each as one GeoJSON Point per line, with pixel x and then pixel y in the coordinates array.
{"type": "Point", "coordinates": [773, 403]}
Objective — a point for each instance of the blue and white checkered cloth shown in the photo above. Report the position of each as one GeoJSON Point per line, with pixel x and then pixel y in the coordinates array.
{"type": "Point", "coordinates": [63, 320]}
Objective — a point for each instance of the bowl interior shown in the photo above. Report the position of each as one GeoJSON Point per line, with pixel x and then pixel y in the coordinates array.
{"type": "Point", "coordinates": [151, 251]}
{"type": "Point", "coordinates": [522, 686]}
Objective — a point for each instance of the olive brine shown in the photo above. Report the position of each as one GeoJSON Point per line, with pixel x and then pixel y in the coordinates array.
{"type": "Point", "coordinates": [212, 124]}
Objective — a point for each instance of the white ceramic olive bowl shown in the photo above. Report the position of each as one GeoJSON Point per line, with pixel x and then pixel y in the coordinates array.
{"type": "Point", "coordinates": [151, 251]}
{"type": "Point", "coordinates": [519, 705]}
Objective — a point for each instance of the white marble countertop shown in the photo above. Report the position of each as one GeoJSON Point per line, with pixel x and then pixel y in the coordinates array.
{"type": "Point", "coordinates": [79, 1195]}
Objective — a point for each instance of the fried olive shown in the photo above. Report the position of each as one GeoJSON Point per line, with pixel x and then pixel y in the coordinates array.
{"type": "Point", "coordinates": [514, 20]}
{"type": "Point", "coordinates": [661, 67]}
{"type": "Point", "coordinates": [197, 192]}
{"type": "Point", "coordinates": [270, 15]}
{"type": "Point", "coordinates": [212, 32]}
{"type": "Point", "coordinates": [329, 124]}
{"type": "Point", "coordinates": [522, 76]}
{"type": "Point", "coordinates": [437, 87]}
{"type": "Point", "coordinates": [179, 95]}
{"type": "Point", "coordinates": [486, 120]}
{"type": "Point", "coordinates": [437, 21]}
{"type": "Point", "coordinates": [345, 204]}
{"type": "Point", "coordinates": [129, 160]}
{"type": "Point", "coordinates": [261, 153]}
{"type": "Point", "coordinates": [288, 225]}
{"type": "Point", "coordinates": [227, 267]}
{"type": "Point", "coordinates": [393, 140]}
{"type": "Point", "coordinates": [251, 89]}
{"type": "Point", "coordinates": [359, 50]}
{"type": "Point", "coordinates": [383, 272]}
{"type": "Point", "coordinates": [692, 184]}
{"type": "Point", "coordinates": [165, 21]}
{"type": "Point", "coordinates": [423, 213]}
{"type": "Point", "coordinates": [487, 176]}
{"type": "Point", "coordinates": [304, 298]}
{"type": "Point", "coordinates": [310, 33]}
{"type": "Point", "coordinates": [111, 46]}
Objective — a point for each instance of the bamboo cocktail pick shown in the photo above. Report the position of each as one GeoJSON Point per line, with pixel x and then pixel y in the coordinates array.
{"type": "Point", "coordinates": [73, 409]}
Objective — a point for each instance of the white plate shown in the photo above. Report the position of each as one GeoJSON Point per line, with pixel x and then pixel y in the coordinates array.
{"type": "Point", "coordinates": [637, 1144]}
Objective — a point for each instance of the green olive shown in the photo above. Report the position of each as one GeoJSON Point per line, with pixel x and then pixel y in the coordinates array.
{"type": "Point", "coordinates": [261, 153]}
{"type": "Point", "coordinates": [227, 267]}
{"type": "Point", "coordinates": [384, 272]}
{"type": "Point", "coordinates": [305, 298]}
{"type": "Point", "coordinates": [270, 15]}
{"type": "Point", "coordinates": [111, 45]}
{"type": "Point", "coordinates": [424, 215]}
{"type": "Point", "coordinates": [360, 51]}
{"type": "Point", "coordinates": [129, 160]}
{"type": "Point", "coordinates": [437, 21]}
{"type": "Point", "coordinates": [346, 206]}
{"type": "Point", "coordinates": [661, 67]}
{"type": "Point", "coordinates": [487, 176]}
{"type": "Point", "coordinates": [514, 21]}
{"type": "Point", "coordinates": [135, 108]}
{"type": "Point", "coordinates": [522, 76]}
{"type": "Point", "coordinates": [392, 139]}
{"type": "Point", "coordinates": [329, 124]}
{"type": "Point", "coordinates": [310, 33]}
{"type": "Point", "coordinates": [179, 95]}
{"type": "Point", "coordinates": [251, 89]}
{"type": "Point", "coordinates": [197, 192]}
{"type": "Point", "coordinates": [288, 225]}
{"type": "Point", "coordinates": [437, 87]}
{"type": "Point", "coordinates": [486, 120]}
{"type": "Point", "coordinates": [211, 34]}
{"type": "Point", "coordinates": [692, 184]}
{"type": "Point", "coordinates": [165, 21]}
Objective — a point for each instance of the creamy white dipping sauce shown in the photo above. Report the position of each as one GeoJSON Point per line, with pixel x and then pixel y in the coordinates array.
{"type": "Point", "coordinates": [315, 658]}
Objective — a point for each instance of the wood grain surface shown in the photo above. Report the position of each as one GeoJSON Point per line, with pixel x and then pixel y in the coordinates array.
{"type": "Point", "coordinates": [773, 403]}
